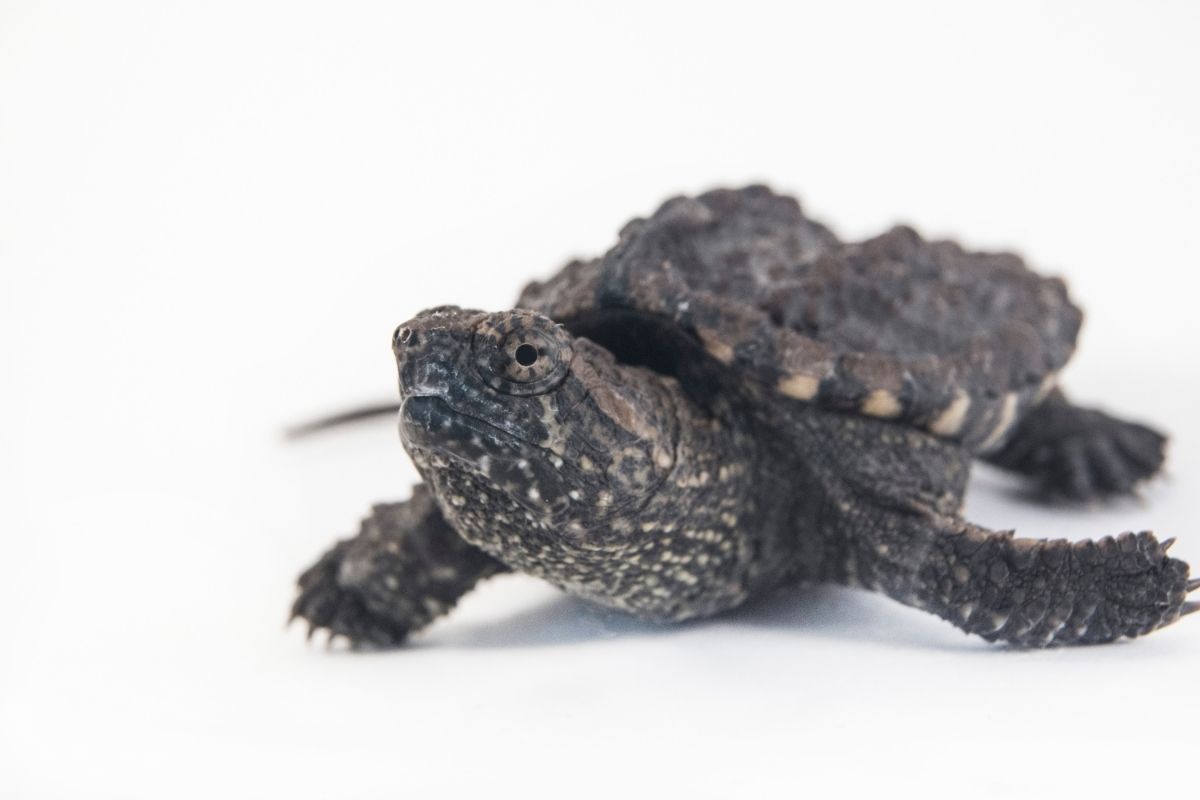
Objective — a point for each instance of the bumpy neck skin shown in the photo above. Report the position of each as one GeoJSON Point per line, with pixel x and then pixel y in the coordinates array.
{"type": "Point", "coordinates": [701, 540]}
{"type": "Point", "coordinates": [721, 529]}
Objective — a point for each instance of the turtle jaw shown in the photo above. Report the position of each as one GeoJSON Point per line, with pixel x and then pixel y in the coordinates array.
{"type": "Point", "coordinates": [523, 471]}
{"type": "Point", "coordinates": [429, 422]}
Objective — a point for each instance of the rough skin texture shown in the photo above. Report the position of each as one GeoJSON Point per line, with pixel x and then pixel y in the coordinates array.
{"type": "Point", "coordinates": [731, 400]}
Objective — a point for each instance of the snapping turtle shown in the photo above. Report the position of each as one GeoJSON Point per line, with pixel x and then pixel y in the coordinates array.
{"type": "Point", "coordinates": [732, 400]}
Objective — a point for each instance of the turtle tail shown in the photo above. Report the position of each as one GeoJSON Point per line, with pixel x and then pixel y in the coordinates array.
{"type": "Point", "coordinates": [341, 418]}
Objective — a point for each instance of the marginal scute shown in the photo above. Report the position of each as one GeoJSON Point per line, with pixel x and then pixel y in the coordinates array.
{"type": "Point", "coordinates": [800, 387]}
{"type": "Point", "coordinates": [950, 421]}
{"type": "Point", "coordinates": [881, 403]}
{"type": "Point", "coordinates": [1004, 422]}
{"type": "Point", "coordinates": [1045, 387]}
{"type": "Point", "coordinates": [717, 348]}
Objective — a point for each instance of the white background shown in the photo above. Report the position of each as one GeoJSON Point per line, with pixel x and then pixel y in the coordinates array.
{"type": "Point", "coordinates": [212, 215]}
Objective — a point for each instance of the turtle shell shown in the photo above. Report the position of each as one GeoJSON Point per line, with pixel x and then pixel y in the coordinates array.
{"type": "Point", "coordinates": [923, 333]}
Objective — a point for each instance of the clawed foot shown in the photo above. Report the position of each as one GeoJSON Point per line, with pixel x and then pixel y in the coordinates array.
{"type": "Point", "coordinates": [1085, 592]}
{"type": "Point", "coordinates": [1138, 588]}
{"type": "Point", "coordinates": [1083, 455]}
{"type": "Point", "coordinates": [327, 604]}
{"type": "Point", "coordinates": [405, 568]}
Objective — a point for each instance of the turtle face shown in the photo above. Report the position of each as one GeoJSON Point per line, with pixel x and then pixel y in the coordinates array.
{"type": "Point", "coordinates": [524, 431]}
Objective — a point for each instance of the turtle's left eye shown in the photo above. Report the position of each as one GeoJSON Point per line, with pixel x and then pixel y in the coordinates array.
{"type": "Point", "coordinates": [522, 353]}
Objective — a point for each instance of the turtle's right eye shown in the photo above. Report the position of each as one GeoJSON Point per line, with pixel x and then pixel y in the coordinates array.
{"type": "Point", "coordinates": [521, 353]}
{"type": "Point", "coordinates": [526, 355]}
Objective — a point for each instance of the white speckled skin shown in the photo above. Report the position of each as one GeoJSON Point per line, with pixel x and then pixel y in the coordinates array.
{"type": "Point", "coordinates": [611, 484]}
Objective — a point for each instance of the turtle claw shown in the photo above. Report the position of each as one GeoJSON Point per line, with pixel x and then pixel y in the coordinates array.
{"type": "Point", "coordinates": [341, 611]}
{"type": "Point", "coordinates": [1165, 544]}
{"type": "Point", "coordinates": [1193, 584]}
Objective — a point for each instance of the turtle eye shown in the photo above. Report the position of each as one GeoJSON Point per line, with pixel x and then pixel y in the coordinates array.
{"type": "Point", "coordinates": [526, 354]}
{"type": "Point", "coordinates": [521, 353]}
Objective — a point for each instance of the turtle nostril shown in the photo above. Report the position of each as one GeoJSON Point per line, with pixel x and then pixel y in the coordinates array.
{"type": "Point", "coordinates": [404, 335]}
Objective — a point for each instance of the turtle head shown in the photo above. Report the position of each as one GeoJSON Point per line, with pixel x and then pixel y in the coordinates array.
{"type": "Point", "coordinates": [522, 429]}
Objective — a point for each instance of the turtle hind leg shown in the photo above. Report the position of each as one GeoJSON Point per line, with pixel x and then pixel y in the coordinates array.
{"type": "Point", "coordinates": [1031, 592]}
{"type": "Point", "coordinates": [1027, 592]}
{"type": "Point", "coordinates": [406, 567]}
{"type": "Point", "coordinates": [1080, 454]}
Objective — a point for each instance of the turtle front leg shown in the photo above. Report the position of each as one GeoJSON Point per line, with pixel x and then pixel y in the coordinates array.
{"type": "Point", "coordinates": [406, 567]}
{"type": "Point", "coordinates": [1075, 453]}
{"type": "Point", "coordinates": [1026, 592]}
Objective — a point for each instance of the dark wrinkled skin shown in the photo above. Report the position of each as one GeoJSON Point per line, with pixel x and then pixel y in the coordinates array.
{"type": "Point", "coordinates": [619, 455]}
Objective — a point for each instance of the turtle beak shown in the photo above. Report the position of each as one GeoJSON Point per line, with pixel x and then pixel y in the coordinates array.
{"type": "Point", "coordinates": [429, 350]}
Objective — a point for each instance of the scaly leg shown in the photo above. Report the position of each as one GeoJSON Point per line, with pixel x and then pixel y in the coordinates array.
{"type": "Point", "coordinates": [406, 567]}
{"type": "Point", "coordinates": [1027, 592]}
{"type": "Point", "coordinates": [1076, 453]}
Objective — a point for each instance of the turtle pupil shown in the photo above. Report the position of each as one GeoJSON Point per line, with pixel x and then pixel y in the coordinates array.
{"type": "Point", "coordinates": [526, 355]}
